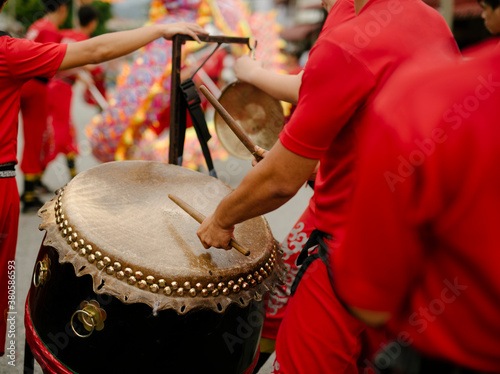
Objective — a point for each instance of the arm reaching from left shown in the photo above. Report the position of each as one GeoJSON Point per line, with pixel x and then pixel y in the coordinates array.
{"type": "Point", "coordinates": [110, 46]}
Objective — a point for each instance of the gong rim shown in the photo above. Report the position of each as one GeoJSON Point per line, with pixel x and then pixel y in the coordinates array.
{"type": "Point", "coordinates": [260, 116]}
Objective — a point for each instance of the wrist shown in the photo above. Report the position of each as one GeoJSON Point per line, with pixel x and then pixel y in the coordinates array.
{"type": "Point", "coordinates": [254, 75]}
{"type": "Point", "coordinates": [220, 222]}
{"type": "Point", "coordinates": [159, 31]}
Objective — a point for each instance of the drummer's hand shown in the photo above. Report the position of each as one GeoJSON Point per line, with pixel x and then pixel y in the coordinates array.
{"type": "Point", "coordinates": [213, 235]}
{"type": "Point", "coordinates": [246, 67]}
{"type": "Point", "coordinates": [259, 152]}
{"type": "Point", "coordinates": [191, 29]}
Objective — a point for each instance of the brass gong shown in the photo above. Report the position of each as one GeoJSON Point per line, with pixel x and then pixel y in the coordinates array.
{"type": "Point", "coordinates": [259, 115]}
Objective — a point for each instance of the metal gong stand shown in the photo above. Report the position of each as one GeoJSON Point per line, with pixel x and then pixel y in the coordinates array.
{"type": "Point", "coordinates": [184, 96]}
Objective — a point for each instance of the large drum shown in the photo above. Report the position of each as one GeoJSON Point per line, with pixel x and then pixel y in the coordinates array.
{"type": "Point", "coordinates": [123, 285]}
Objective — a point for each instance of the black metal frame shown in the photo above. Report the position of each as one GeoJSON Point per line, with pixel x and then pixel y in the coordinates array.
{"type": "Point", "coordinates": [177, 105]}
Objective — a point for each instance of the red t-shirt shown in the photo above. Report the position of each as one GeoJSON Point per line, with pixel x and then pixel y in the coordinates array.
{"type": "Point", "coordinates": [422, 241]}
{"type": "Point", "coordinates": [21, 60]}
{"type": "Point", "coordinates": [44, 31]}
{"type": "Point", "coordinates": [345, 71]}
{"type": "Point", "coordinates": [340, 12]}
{"type": "Point", "coordinates": [72, 35]}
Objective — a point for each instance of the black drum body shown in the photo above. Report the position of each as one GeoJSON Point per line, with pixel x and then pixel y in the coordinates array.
{"type": "Point", "coordinates": [135, 338]}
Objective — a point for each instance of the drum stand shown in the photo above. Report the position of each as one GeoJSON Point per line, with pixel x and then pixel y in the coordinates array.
{"type": "Point", "coordinates": [184, 96]}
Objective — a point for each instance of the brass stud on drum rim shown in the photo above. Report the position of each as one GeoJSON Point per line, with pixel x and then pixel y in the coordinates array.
{"type": "Point", "coordinates": [154, 288]}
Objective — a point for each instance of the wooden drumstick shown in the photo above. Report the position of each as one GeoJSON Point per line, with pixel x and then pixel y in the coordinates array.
{"type": "Point", "coordinates": [233, 125]}
{"type": "Point", "coordinates": [200, 218]}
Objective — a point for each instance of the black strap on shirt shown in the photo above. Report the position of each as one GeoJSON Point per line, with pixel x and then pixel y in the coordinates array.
{"type": "Point", "coordinates": [8, 170]}
{"type": "Point", "coordinates": [3, 33]}
{"type": "Point", "coordinates": [398, 358]}
{"type": "Point", "coordinates": [316, 239]}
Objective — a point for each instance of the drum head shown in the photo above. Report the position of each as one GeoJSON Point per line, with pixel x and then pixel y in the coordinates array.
{"type": "Point", "coordinates": [116, 223]}
{"type": "Point", "coordinates": [259, 115]}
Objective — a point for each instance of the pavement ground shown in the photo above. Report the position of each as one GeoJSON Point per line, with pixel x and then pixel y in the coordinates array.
{"type": "Point", "coordinates": [57, 175]}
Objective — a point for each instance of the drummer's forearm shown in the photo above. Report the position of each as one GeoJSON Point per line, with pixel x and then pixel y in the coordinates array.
{"type": "Point", "coordinates": [247, 203]}
{"type": "Point", "coordinates": [266, 187]}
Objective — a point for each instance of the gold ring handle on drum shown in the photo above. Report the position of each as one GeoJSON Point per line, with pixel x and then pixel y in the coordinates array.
{"type": "Point", "coordinates": [42, 272]}
{"type": "Point", "coordinates": [92, 317]}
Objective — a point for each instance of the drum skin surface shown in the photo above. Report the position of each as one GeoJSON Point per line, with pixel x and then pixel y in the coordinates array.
{"type": "Point", "coordinates": [170, 305]}
{"type": "Point", "coordinates": [259, 115]}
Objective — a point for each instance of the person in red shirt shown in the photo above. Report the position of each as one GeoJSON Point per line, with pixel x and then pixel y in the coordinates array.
{"type": "Point", "coordinates": [346, 70]}
{"type": "Point", "coordinates": [60, 93]}
{"type": "Point", "coordinates": [22, 60]}
{"type": "Point", "coordinates": [421, 249]}
{"type": "Point", "coordinates": [286, 87]}
{"type": "Point", "coordinates": [34, 108]}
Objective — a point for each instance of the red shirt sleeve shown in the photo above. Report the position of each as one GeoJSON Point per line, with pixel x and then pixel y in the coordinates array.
{"type": "Point", "coordinates": [381, 255]}
{"type": "Point", "coordinates": [27, 59]}
{"type": "Point", "coordinates": [335, 84]}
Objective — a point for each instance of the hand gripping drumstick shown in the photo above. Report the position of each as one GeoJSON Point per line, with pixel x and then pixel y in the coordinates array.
{"type": "Point", "coordinates": [233, 125]}
{"type": "Point", "coordinates": [200, 218]}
